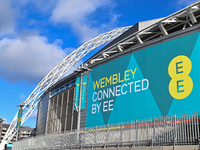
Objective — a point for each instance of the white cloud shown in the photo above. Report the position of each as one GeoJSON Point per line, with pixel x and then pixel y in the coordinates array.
{"type": "Point", "coordinates": [185, 2]}
{"type": "Point", "coordinates": [41, 5]}
{"type": "Point", "coordinates": [28, 58]}
{"type": "Point", "coordinates": [76, 12]}
{"type": "Point", "coordinates": [7, 22]}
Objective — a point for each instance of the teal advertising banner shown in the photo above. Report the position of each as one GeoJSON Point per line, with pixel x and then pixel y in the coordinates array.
{"type": "Point", "coordinates": [156, 81]}
{"type": "Point", "coordinates": [83, 95]}
{"type": "Point", "coordinates": [19, 119]}
{"type": "Point", "coordinates": [77, 92]}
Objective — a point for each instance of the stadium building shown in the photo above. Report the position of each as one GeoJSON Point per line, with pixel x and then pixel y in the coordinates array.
{"type": "Point", "coordinates": [149, 71]}
{"type": "Point", "coordinates": [138, 75]}
{"type": "Point", "coordinates": [57, 109]}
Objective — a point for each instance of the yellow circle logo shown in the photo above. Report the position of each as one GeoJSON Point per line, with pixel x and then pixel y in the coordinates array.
{"type": "Point", "coordinates": [181, 84]}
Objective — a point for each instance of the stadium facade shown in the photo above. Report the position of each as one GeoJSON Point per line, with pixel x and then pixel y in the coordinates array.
{"type": "Point", "coordinates": [151, 70]}
{"type": "Point", "coordinates": [141, 89]}
{"type": "Point", "coordinates": [57, 110]}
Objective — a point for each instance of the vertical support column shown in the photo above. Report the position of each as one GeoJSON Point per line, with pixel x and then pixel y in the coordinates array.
{"type": "Point", "coordinates": [187, 129]}
{"type": "Point", "coordinates": [193, 128]}
{"type": "Point", "coordinates": [61, 113]}
{"type": "Point", "coordinates": [165, 135]}
{"type": "Point", "coordinates": [95, 136]}
{"type": "Point", "coordinates": [147, 129]}
{"type": "Point", "coordinates": [182, 129]}
{"type": "Point", "coordinates": [56, 115]}
{"type": "Point", "coordinates": [72, 111]}
{"type": "Point", "coordinates": [175, 130]}
{"type": "Point", "coordinates": [79, 105]}
{"type": "Point", "coordinates": [49, 114]}
{"type": "Point", "coordinates": [84, 135]}
{"type": "Point", "coordinates": [59, 141]}
{"type": "Point", "coordinates": [136, 131]}
{"type": "Point", "coordinates": [121, 134]}
{"type": "Point", "coordinates": [198, 127]}
{"type": "Point", "coordinates": [65, 113]}
{"type": "Point", "coordinates": [107, 134]}
{"type": "Point", "coordinates": [154, 131]}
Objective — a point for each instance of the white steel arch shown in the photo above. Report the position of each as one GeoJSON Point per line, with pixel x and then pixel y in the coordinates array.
{"type": "Point", "coordinates": [55, 74]}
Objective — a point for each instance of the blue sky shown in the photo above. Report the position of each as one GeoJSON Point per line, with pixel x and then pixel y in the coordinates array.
{"type": "Point", "coordinates": [36, 35]}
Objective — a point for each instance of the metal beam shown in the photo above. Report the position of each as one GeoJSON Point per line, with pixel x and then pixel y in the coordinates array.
{"type": "Point", "coordinates": [162, 28]}
{"type": "Point", "coordinates": [192, 17]}
{"type": "Point", "coordinates": [120, 48]}
{"type": "Point", "coordinates": [94, 60]}
{"type": "Point", "coordinates": [138, 39]}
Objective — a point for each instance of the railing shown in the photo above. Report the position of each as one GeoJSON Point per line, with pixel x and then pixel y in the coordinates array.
{"type": "Point", "coordinates": [170, 130]}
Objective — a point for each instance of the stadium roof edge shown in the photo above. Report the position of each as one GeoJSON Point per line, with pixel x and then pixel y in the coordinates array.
{"type": "Point", "coordinates": [137, 29]}
{"type": "Point", "coordinates": [185, 18]}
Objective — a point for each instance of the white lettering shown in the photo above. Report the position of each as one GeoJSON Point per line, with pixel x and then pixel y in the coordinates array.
{"type": "Point", "coordinates": [118, 90]}
{"type": "Point", "coordinates": [98, 106]}
{"type": "Point", "coordinates": [123, 90]}
{"type": "Point", "coordinates": [94, 99]}
{"type": "Point", "coordinates": [110, 105]}
{"type": "Point", "coordinates": [147, 84]}
{"type": "Point", "coordinates": [105, 105]}
{"type": "Point", "coordinates": [99, 97]}
{"type": "Point", "coordinates": [112, 92]}
{"type": "Point", "coordinates": [130, 86]}
{"type": "Point", "coordinates": [104, 93]}
{"type": "Point", "coordinates": [137, 90]}
{"type": "Point", "coordinates": [93, 108]}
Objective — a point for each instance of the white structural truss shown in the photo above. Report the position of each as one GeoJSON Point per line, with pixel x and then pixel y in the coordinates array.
{"type": "Point", "coordinates": [54, 75]}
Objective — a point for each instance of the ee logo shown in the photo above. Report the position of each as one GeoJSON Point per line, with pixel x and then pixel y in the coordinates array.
{"type": "Point", "coordinates": [181, 83]}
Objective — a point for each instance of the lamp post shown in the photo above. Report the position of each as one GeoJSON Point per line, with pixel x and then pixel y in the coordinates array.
{"type": "Point", "coordinates": [19, 119]}
{"type": "Point", "coordinates": [79, 105]}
